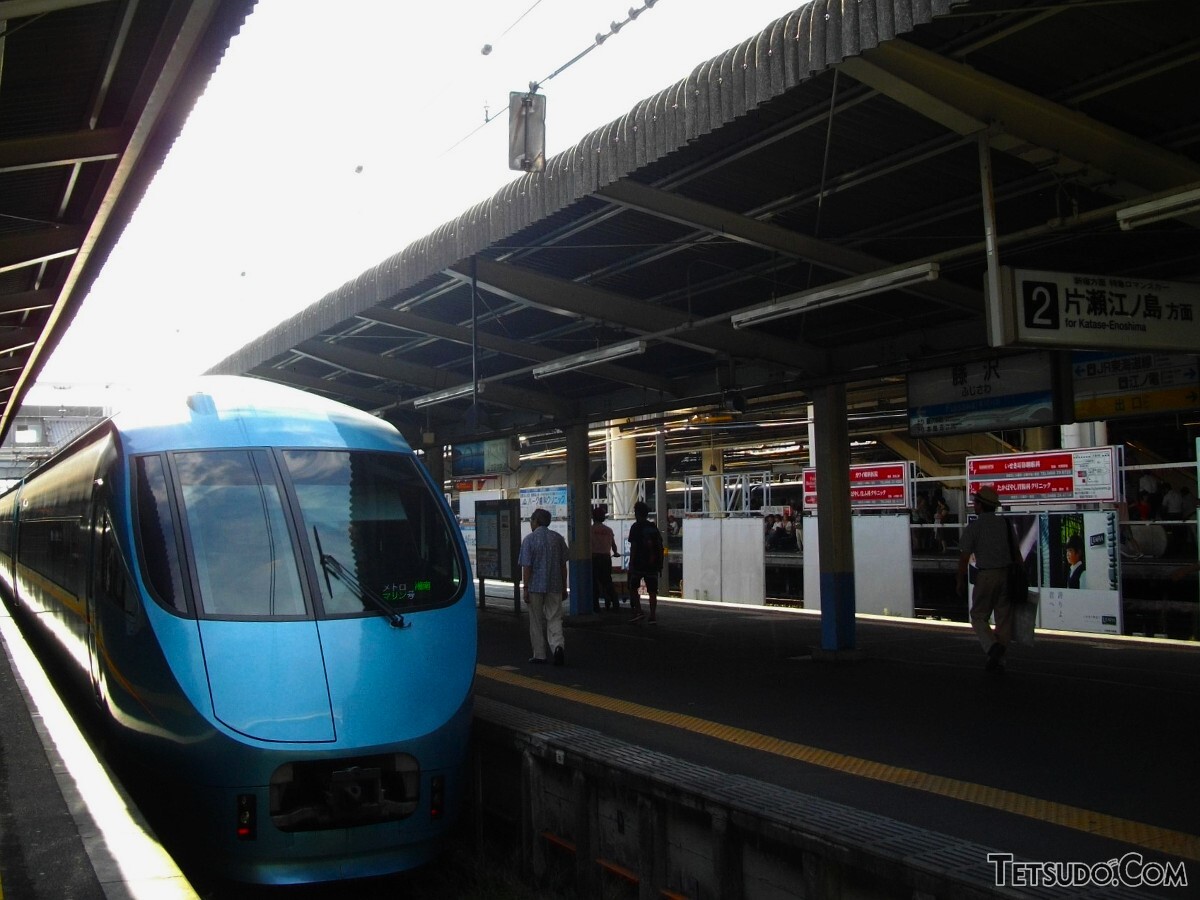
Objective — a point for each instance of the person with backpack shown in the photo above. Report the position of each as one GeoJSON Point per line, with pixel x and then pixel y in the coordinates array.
{"type": "Point", "coordinates": [645, 561]}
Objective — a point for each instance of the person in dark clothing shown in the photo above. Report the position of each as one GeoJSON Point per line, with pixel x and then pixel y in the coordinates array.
{"type": "Point", "coordinates": [645, 561]}
{"type": "Point", "coordinates": [987, 540]}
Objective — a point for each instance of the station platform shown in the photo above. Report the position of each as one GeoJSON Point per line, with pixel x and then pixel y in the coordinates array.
{"type": "Point", "coordinates": [67, 830]}
{"type": "Point", "coordinates": [1082, 752]}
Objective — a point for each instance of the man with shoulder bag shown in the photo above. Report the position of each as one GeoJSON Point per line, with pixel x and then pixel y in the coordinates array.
{"type": "Point", "coordinates": [989, 540]}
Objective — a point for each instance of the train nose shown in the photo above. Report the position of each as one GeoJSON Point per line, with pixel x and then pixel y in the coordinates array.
{"type": "Point", "coordinates": [267, 679]}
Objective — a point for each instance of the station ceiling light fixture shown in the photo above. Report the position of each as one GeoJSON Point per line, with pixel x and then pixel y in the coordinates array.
{"type": "Point", "coordinates": [454, 393]}
{"type": "Point", "coordinates": [839, 292]}
{"type": "Point", "coordinates": [591, 358]}
{"type": "Point", "coordinates": [1172, 207]}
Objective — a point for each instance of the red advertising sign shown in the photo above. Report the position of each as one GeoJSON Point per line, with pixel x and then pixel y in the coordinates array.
{"type": "Point", "coordinates": [884, 486]}
{"type": "Point", "coordinates": [1084, 475]}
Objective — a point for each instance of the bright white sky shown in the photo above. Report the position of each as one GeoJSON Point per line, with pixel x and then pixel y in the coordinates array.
{"type": "Point", "coordinates": [259, 210]}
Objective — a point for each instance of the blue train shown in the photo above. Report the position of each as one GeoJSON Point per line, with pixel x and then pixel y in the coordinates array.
{"type": "Point", "coordinates": [273, 607]}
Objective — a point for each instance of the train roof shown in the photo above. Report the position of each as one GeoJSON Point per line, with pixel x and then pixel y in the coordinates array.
{"type": "Point", "coordinates": [222, 411]}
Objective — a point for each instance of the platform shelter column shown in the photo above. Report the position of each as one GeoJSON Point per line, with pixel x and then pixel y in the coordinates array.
{"type": "Point", "coordinates": [712, 462]}
{"type": "Point", "coordinates": [835, 538]}
{"type": "Point", "coordinates": [621, 451]}
{"type": "Point", "coordinates": [579, 524]}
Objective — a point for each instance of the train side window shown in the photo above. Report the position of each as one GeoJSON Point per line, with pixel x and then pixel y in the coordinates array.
{"type": "Point", "coordinates": [157, 535]}
{"type": "Point", "coordinates": [113, 580]}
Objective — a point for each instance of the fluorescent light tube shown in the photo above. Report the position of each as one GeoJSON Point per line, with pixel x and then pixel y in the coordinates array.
{"type": "Point", "coordinates": [454, 393]}
{"type": "Point", "coordinates": [1172, 207]}
{"type": "Point", "coordinates": [591, 358]}
{"type": "Point", "coordinates": [836, 293]}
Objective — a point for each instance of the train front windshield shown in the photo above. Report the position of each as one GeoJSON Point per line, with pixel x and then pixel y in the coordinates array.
{"type": "Point", "coordinates": [377, 538]}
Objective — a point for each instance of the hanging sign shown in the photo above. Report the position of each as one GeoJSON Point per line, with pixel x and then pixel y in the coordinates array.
{"type": "Point", "coordinates": [985, 395]}
{"type": "Point", "coordinates": [1083, 475]}
{"type": "Point", "coordinates": [1121, 312]}
{"type": "Point", "coordinates": [1111, 385]}
{"type": "Point", "coordinates": [883, 486]}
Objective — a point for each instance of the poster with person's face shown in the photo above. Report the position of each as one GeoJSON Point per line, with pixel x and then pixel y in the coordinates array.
{"type": "Point", "coordinates": [1079, 572]}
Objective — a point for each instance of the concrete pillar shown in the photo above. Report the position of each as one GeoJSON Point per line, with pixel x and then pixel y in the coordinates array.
{"type": "Point", "coordinates": [660, 503]}
{"type": "Point", "coordinates": [812, 435]}
{"type": "Point", "coordinates": [579, 526]}
{"type": "Point", "coordinates": [834, 532]}
{"type": "Point", "coordinates": [1083, 434]}
{"type": "Point", "coordinates": [435, 461]}
{"type": "Point", "coordinates": [712, 465]}
{"type": "Point", "coordinates": [621, 451]}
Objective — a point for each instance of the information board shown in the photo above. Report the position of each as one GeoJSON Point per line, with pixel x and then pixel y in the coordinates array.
{"type": "Point", "coordinates": [882, 486]}
{"type": "Point", "coordinates": [494, 457]}
{"type": "Point", "coordinates": [1112, 385]}
{"type": "Point", "coordinates": [497, 539]}
{"type": "Point", "coordinates": [1083, 475]}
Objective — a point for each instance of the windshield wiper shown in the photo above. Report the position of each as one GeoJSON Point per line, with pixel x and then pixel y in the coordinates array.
{"type": "Point", "coordinates": [331, 566]}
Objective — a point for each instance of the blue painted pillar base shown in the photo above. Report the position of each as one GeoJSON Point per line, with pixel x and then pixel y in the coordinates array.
{"type": "Point", "coordinates": [837, 611]}
{"type": "Point", "coordinates": [579, 574]}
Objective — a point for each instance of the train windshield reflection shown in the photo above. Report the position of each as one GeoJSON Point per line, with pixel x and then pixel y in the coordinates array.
{"type": "Point", "coordinates": [245, 562]}
{"type": "Point", "coordinates": [375, 514]}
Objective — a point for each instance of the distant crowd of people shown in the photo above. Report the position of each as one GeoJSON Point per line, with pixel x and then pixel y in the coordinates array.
{"type": "Point", "coordinates": [779, 533]}
{"type": "Point", "coordinates": [933, 511]}
{"type": "Point", "coordinates": [1159, 499]}
{"type": "Point", "coordinates": [1160, 502]}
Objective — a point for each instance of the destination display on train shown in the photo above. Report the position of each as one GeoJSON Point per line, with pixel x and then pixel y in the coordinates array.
{"type": "Point", "coordinates": [1082, 475]}
{"type": "Point", "coordinates": [883, 486]}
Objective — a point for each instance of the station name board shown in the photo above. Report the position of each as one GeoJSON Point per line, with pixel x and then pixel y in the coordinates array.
{"type": "Point", "coordinates": [1082, 475]}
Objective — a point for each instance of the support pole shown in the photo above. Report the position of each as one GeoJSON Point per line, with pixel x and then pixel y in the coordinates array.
{"type": "Point", "coordinates": [835, 535]}
{"type": "Point", "coordinates": [995, 318]}
{"type": "Point", "coordinates": [579, 528]}
{"type": "Point", "coordinates": [660, 505]}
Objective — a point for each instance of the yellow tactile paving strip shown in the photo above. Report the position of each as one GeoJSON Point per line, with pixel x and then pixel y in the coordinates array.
{"type": "Point", "coordinates": [1162, 840]}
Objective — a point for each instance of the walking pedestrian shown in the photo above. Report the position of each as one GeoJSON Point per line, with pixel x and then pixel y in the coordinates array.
{"type": "Point", "coordinates": [988, 540]}
{"type": "Point", "coordinates": [604, 548]}
{"type": "Point", "coordinates": [645, 561]}
{"type": "Point", "coordinates": [543, 561]}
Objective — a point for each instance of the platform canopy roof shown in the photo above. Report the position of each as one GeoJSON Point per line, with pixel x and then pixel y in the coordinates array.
{"type": "Point", "coordinates": [842, 143]}
{"type": "Point", "coordinates": [93, 93]}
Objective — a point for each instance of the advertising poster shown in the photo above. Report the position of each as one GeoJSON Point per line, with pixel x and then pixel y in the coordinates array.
{"type": "Point", "coordinates": [552, 498]}
{"type": "Point", "coordinates": [1080, 574]}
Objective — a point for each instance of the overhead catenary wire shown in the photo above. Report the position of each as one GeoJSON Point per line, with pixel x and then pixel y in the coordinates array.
{"type": "Point", "coordinates": [487, 48]}
{"type": "Point", "coordinates": [613, 28]}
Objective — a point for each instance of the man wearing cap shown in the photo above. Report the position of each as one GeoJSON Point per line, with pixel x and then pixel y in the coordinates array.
{"type": "Point", "coordinates": [987, 539]}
